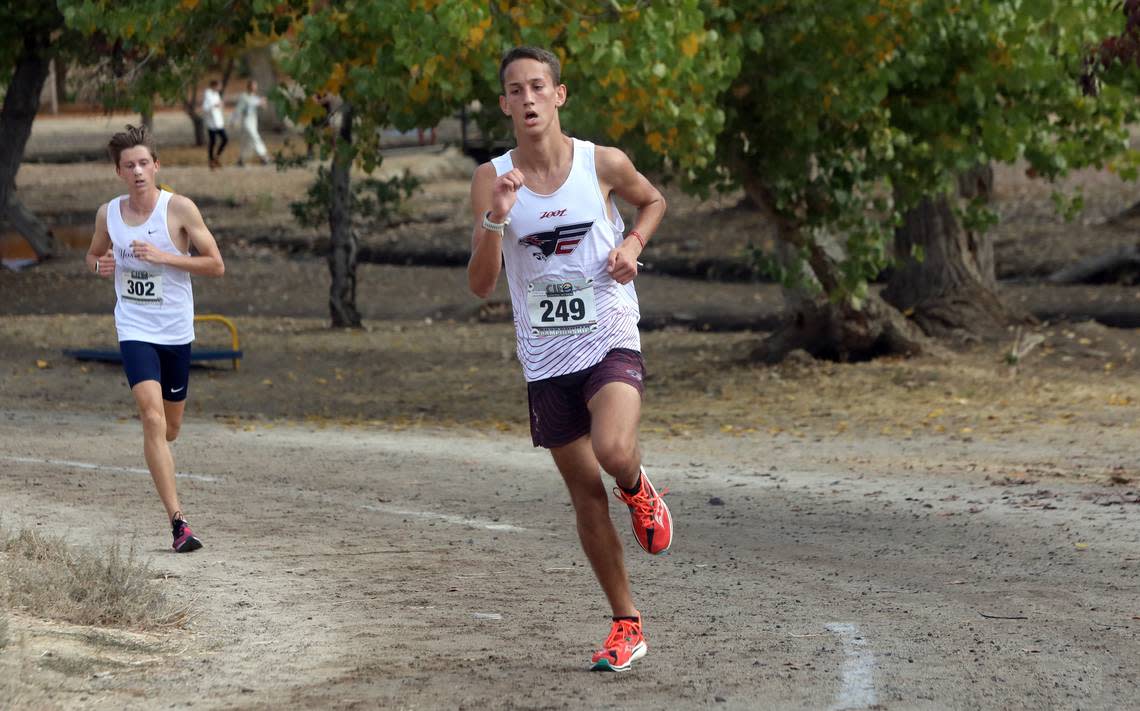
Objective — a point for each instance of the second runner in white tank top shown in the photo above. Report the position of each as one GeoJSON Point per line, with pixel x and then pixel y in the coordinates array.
{"type": "Point", "coordinates": [568, 311]}
{"type": "Point", "coordinates": [153, 304]}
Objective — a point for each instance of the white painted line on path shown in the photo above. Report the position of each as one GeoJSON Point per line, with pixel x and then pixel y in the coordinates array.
{"type": "Point", "coordinates": [446, 518]}
{"type": "Point", "coordinates": [103, 467]}
{"type": "Point", "coordinates": [858, 688]}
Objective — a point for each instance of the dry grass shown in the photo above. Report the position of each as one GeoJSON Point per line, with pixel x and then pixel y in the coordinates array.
{"type": "Point", "coordinates": [49, 578]}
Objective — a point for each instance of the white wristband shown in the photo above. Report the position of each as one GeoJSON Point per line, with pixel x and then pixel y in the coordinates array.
{"type": "Point", "coordinates": [495, 226]}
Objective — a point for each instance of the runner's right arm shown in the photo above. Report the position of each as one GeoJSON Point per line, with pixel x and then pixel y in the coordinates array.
{"type": "Point", "coordinates": [100, 259]}
{"type": "Point", "coordinates": [497, 196]}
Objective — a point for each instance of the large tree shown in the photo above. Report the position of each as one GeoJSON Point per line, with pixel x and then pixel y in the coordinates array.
{"type": "Point", "coordinates": [31, 35]}
{"type": "Point", "coordinates": [410, 64]}
{"type": "Point", "coordinates": [148, 49]}
{"type": "Point", "coordinates": [862, 131]}
{"type": "Point", "coordinates": [358, 68]}
{"type": "Point", "coordinates": [1007, 87]}
{"type": "Point", "coordinates": [847, 123]}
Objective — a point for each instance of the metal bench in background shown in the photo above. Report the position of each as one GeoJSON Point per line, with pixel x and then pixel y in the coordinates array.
{"type": "Point", "coordinates": [234, 354]}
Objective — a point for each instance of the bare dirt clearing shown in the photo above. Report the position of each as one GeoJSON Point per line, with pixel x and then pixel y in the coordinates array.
{"type": "Point", "coordinates": [364, 567]}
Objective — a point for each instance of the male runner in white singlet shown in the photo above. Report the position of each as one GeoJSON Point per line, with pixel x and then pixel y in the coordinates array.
{"type": "Point", "coordinates": [546, 211]}
{"type": "Point", "coordinates": [143, 240]}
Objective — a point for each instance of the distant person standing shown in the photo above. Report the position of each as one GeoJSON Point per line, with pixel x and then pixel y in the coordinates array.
{"type": "Point", "coordinates": [150, 241]}
{"type": "Point", "coordinates": [244, 118]}
{"type": "Point", "coordinates": [215, 123]}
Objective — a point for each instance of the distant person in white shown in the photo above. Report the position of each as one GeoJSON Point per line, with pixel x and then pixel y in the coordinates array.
{"type": "Point", "coordinates": [144, 240]}
{"type": "Point", "coordinates": [215, 123]}
{"type": "Point", "coordinates": [244, 117]}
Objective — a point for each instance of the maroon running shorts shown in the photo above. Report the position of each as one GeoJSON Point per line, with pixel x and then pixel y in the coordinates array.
{"type": "Point", "coordinates": [558, 412]}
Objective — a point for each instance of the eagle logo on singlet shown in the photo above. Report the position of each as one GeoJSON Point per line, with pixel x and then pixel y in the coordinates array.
{"type": "Point", "coordinates": [562, 240]}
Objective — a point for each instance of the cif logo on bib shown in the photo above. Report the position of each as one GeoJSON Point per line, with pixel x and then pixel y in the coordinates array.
{"type": "Point", "coordinates": [563, 289]}
{"type": "Point", "coordinates": [562, 240]}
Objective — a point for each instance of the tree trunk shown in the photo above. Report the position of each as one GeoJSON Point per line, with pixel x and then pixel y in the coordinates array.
{"type": "Point", "coordinates": [61, 80]}
{"type": "Point", "coordinates": [842, 332]}
{"type": "Point", "coordinates": [845, 331]}
{"type": "Point", "coordinates": [952, 290]}
{"type": "Point", "coordinates": [343, 244]}
{"type": "Point", "coordinates": [21, 102]}
{"type": "Point", "coordinates": [190, 106]}
{"type": "Point", "coordinates": [30, 227]}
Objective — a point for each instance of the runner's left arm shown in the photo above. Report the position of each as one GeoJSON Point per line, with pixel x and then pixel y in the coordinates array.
{"type": "Point", "coordinates": [183, 215]}
{"type": "Point", "coordinates": [616, 174]}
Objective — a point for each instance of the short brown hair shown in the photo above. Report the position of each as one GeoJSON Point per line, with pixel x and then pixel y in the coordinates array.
{"type": "Point", "coordinates": [132, 137]}
{"type": "Point", "coordinates": [536, 53]}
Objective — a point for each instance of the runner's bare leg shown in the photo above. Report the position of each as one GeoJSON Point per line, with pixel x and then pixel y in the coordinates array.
{"type": "Point", "coordinates": [156, 449]}
{"type": "Point", "coordinates": [582, 474]}
{"type": "Point", "coordinates": [615, 413]}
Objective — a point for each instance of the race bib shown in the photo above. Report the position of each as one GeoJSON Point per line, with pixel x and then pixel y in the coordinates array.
{"type": "Point", "coordinates": [142, 287]}
{"type": "Point", "coordinates": [561, 308]}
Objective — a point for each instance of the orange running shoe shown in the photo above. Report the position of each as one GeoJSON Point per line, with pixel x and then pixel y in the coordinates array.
{"type": "Point", "coordinates": [622, 648]}
{"type": "Point", "coordinates": [652, 523]}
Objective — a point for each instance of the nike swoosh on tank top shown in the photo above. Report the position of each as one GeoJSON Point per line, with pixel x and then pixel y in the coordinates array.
{"type": "Point", "coordinates": [153, 303]}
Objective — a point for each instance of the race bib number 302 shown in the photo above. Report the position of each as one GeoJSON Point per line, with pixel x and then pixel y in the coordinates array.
{"type": "Point", "coordinates": [561, 308]}
{"type": "Point", "coordinates": [142, 287]}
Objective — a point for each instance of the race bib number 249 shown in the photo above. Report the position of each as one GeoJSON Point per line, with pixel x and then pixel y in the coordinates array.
{"type": "Point", "coordinates": [561, 308]}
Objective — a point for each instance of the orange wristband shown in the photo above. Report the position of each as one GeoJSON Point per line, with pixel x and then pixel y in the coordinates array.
{"type": "Point", "coordinates": [637, 235]}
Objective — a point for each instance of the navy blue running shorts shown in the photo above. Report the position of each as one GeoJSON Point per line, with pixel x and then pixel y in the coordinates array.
{"type": "Point", "coordinates": [558, 406]}
{"type": "Point", "coordinates": [169, 365]}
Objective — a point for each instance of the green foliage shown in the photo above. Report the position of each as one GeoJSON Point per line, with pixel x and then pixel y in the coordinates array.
{"type": "Point", "coordinates": [401, 64]}
{"type": "Point", "coordinates": [977, 216]}
{"type": "Point", "coordinates": [158, 48]}
{"type": "Point", "coordinates": [787, 273]}
{"type": "Point", "coordinates": [834, 109]}
{"type": "Point", "coordinates": [835, 120]}
{"type": "Point", "coordinates": [1068, 206]}
{"type": "Point", "coordinates": [647, 75]}
{"type": "Point", "coordinates": [372, 198]}
{"type": "Point", "coordinates": [17, 20]}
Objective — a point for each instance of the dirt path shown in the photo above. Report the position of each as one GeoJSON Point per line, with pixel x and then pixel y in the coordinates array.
{"type": "Point", "coordinates": [367, 568]}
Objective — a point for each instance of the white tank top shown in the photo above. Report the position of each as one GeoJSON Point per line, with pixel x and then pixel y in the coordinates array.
{"type": "Point", "coordinates": [568, 311]}
{"type": "Point", "coordinates": [153, 303]}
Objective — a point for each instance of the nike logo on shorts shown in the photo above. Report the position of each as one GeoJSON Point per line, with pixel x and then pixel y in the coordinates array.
{"type": "Point", "coordinates": [177, 390]}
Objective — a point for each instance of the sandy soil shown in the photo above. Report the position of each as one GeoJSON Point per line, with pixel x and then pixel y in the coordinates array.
{"type": "Point", "coordinates": [925, 533]}
{"type": "Point", "coordinates": [377, 567]}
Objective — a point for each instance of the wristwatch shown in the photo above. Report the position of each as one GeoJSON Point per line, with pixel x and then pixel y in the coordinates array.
{"type": "Point", "coordinates": [495, 226]}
